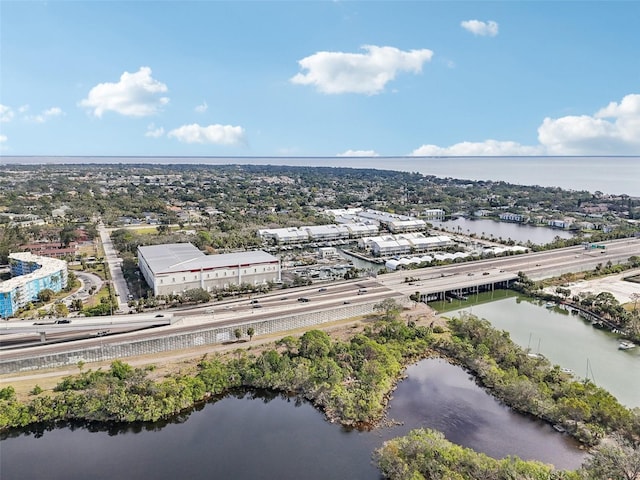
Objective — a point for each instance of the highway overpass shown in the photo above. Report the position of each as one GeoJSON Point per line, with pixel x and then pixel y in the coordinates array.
{"type": "Point", "coordinates": [345, 296]}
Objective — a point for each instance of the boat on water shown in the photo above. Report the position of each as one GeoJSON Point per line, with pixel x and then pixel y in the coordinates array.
{"type": "Point", "coordinates": [535, 355]}
{"type": "Point", "coordinates": [624, 345]}
{"type": "Point", "coordinates": [549, 305]}
{"type": "Point", "coordinates": [567, 370]}
{"type": "Point", "coordinates": [559, 428]}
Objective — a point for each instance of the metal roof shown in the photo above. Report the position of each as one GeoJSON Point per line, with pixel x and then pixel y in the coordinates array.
{"type": "Point", "coordinates": [180, 257]}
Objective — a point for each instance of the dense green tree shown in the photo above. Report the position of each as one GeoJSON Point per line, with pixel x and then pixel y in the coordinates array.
{"type": "Point", "coordinates": [46, 295]}
{"type": "Point", "coordinates": [197, 295]}
{"type": "Point", "coordinates": [60, 310]}
{"type": "Point", "coordinates": [615, 459]}
{"type": "Point", "coordinates": [315, 344]}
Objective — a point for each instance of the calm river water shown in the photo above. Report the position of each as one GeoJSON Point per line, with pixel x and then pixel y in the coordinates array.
{"type": "Point", "coordinates": [568, 341]}
{"type": "Point", "coordinates": [264, 437]}
{"type": "Point", "coordinates": [503, 230]}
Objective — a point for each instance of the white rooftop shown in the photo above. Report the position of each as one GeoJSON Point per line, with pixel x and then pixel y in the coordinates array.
{"type": "Point", "coordinates": [179, 257]}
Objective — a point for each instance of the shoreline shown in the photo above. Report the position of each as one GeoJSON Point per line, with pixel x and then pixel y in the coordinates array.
{"type": "Point", "coordinates": [190, 364]}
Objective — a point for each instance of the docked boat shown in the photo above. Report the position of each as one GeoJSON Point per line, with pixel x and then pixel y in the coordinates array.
{"type": "Point", "coordinates": [559, 428]}
{"type": "Point", "coordinates": [535, 355]}
{"type": "Point", "coordinates": [626, 345]}
{"type": "Point", "coordinates": [567, 370]}
{"type": "Point", "coordinates": [549, 305]}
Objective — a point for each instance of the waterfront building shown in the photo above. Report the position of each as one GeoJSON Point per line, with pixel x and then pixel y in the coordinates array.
{"type": "Point", "coordinates": [513, 217]}
{"type": "Point", "coordinates": [327, 232]}
{"type": "Point", "coordinates": [327, 253]}
{"type": "Point", "coordinates": [358, 230]}
{"type": "Point", "coordinates": [403, 244]}
{"type": "Point", "coordinates": [433, 214]}
{"type": "Point", "coordinates": [559, 223]}
{"type": "Point", "coordinates": [408, 225]}
{"type": "Point", "coordinates": [178, 267]}
{"type": "Point", "coordinates": [30, 275]}
{"type": "Point", "coordinates": [405, 262]}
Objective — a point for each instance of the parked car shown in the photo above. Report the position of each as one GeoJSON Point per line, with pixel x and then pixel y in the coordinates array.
{"type": "Point", "coordinates": [303, 299]}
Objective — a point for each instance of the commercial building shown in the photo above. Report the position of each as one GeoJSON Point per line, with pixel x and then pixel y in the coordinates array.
{"type": "Point", "coordinates": [327, 232]}
{"type": "Point", "coordinates": [357, 230]}
{"type": "Point", "coordinates": [283, 236]}
{"type": "Point", "coordinates": [403, 244]}
{"type": "Point", "coordinates": [30, 275]}
{"type": "Point", "coordinates": [175, 268]}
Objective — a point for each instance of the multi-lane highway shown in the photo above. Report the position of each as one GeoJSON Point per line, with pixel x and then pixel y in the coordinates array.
{"type": "Point", "coordinates": [321, 297]}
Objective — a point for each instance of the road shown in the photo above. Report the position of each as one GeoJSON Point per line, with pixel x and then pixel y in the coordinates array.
{"type": "Point", "coordinates": [115, 269]}
{"type": "Point", "coordinates": [392, 285]}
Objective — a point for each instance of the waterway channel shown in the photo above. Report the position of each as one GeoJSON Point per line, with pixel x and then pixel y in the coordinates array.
{"type": "Point", "coordinates": [264, 436]}
{"type": "Point", "coordinates": [566, 340]}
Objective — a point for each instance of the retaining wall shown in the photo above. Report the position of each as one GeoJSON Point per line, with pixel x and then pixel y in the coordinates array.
{"type": "Point", "coordinates": [178, 341]}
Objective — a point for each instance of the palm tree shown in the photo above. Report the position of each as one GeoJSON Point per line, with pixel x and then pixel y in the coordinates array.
{"type": "Point", "coordinates": [251, 332]}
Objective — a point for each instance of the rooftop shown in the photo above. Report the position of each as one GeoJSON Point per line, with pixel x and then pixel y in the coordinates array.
{"type": "Point", "coordinates": [180, 257]}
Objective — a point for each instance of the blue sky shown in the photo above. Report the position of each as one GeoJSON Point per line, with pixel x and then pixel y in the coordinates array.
{"type": "Point", "coordinates": [306, 78]}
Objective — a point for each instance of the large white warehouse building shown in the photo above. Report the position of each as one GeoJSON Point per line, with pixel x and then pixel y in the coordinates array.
{"type": "Point", "coordinates": [177, 267]}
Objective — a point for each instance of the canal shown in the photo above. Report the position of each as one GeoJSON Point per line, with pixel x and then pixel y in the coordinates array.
{"type": "Point", "coordinates": [566, 340]}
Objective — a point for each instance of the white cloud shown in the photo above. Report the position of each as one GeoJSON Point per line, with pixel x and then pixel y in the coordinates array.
{"type": "Point", "coordinates": [6, 113]}
{"type": "Point", "coordinates": [154, 132]}
{"type": "Point", "coordinates": [613, 130]}
{"type": "Point", "coordinates": [478, 27]}
{"type": "Point", "coordinates": [23, 108]}
{"type": "Point", "coordinates": [358, 153]}
{"type": "Point", "coordinates": [368, 73]}
{"type": "Point", "coordinates": [3, 138]}
{"type": "Point", "coordinates": [135, 95]}
{"type": "Point", "coordinates": [471, 149]}
{"type": "Point", "coordinates": [202, 107]}
{"type": "Point", "coordinates": [217, 134]}
{"type": "Point", "coordinates": [44, 116]}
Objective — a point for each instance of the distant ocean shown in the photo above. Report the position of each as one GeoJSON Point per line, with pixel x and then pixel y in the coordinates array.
{"type": "Point", "coordinates": [612, 175]}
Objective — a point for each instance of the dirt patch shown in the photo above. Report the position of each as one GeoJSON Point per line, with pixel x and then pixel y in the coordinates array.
{"type": "Point", "coordinates": [621, 289]}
